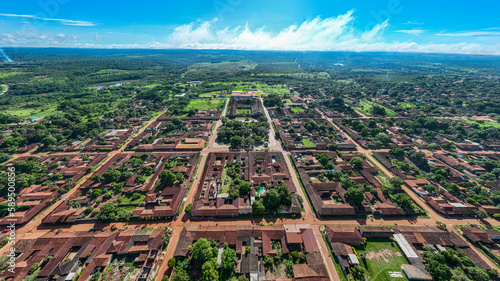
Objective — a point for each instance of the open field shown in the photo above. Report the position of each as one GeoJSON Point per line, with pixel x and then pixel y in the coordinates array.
{"type": "Point", "coordinates": [382, 256]}
{"type": "Point", "coordinates": [30, 112]}
{"type": "Point", "coordinates": [367, 108]}
{"type": "Point", "coordinates": [6, 74]}
{"type": "Point", "coordinates": [406, 105]}
{"type": "Point", "coordinates": [485, 123]}
{"type": "Point", "coordinates": [151, 86]}
{"type": "Point", "coordinates": [205, 104]}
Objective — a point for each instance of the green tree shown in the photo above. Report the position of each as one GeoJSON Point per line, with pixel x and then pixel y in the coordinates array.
{"type": "Point", "coordinates": [272, 199]}
{"type": "Point", "coordinates": [180, 275]}
{"type": "Point", "coordinates": [202, 250]}
{"type": "Point", "coordinates": [397, 152]}
{"type": "Point", "coordinates": [236, 141]}
{"type": "Point", "coordinates": [439, 271]}
{"type": "Point", "coordinates": [179, 177]}
{"type": "Point", "coordinates": [111, 175]}
{"type": "Point", "coordinates": [258, 207]}
{"type": "Point", "coordinates": [96, 178]}
{"type": "Point", "coordinates": [177, 121]}
{"type": "Point", "coordinates": [396, 183]}
{"type": "Point", "coordinates": [357, 162]}
{"type": "Point", "coordinates": [108, 212]}
{"type": "Point", "coordinates": [242, 278]}
{"type": "Point", "coordinates": [209, 269]}
{"type": "Point", "coordinates": [228, 259]}
{"type": "Point", "coordinates": [48, 141]}
{"type": "Point", "coordinates": [245, 187]}
{"type": "Point", "coordinates": [167, 177]}
{"type": "Point", "coordinates": [403, 200]}
{"type": "Point", "coordinates": [189, 208]}
{"type": "Point", "coordinates": [171, 262]}
{"type": "Point", "coordinates": [355, 194]}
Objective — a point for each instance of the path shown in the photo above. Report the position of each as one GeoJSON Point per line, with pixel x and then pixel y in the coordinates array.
{"type": "Point", "coordinates": [6, 89]}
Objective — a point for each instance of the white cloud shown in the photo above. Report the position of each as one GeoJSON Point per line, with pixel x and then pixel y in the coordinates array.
{"type": "Point", "coordinates": [328, 34]}
{"type": "Point", "coordinates": [28, 37]}
{"type": "Point", "coordinates": [471, 33]}
{"type": "Point", "coordinates": [411, 31]}
{"type": "Point", "coordinates": [414, 22]}
{"type": "Point", "coordinates": [62, 21]}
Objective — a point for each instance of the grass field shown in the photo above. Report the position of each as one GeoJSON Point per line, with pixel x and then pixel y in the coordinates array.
{"type": "Point", "coordinates": [485, 123]}
{"type": "Point", "coordinates": [151, 86]}
{"type": "Point", "coordinates": [5, 74]}
{"type": "Point", "coordinates": [2, 88]}
{"type": "Point", "coordinates": [383, 256]}
{"type": "Point", "coordinates": [31, 112]}
{"type": "Point", "coordinates": [287, 101]}
{"type": "Point", "coordinates": [406, 105]}
{"type": "Point", "coordinates": [205, 104]}
{"type": "Point", "coordinates": [367, 108]}
{"type": "Point", "coordinates": [307, 142]}
{"type": "Point", "coordinates": [297, 109]}
{"type": "Point", "coordinates": [244, 111]}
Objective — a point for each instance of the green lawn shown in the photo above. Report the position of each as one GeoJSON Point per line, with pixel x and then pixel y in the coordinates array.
{"type": "Point", "coordinates": [297, 109]}
{"type": "Point", "coordinates": [205, 104]}
{"type": "Point", "coordinates": [2, 88]}
{"type": "Point", "coordinates": [308, 142]}
{"type": "Point", "coordinates": [388, 259]}
{"type": "Point", "coordinates": [244, 111]}
{"type": "Point", "coordinates": [287, 101]}
{"type": "Point", "coordinates": [128, 199]}
{"type": "Point", "coordinates": [226, 182]}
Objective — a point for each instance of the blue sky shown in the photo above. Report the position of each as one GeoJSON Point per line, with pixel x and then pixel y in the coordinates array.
{"type": "Point", "coordinates": [445, 26]}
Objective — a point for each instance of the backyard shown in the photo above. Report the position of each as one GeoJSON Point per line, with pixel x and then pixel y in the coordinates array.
{"type": "Point", "coordinates": [243, 111]}
{"type": "Point", "coordinates": [297, 109]}
{"type": "Point", "coordinates": [206, 104]}
{"type": "Point", "coordinates": [307, 142]}
{"type": "Point", "coordinates": [382, 258]}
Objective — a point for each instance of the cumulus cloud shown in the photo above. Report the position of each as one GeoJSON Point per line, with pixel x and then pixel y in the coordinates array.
{"type": "Point", "coordinates": [319, 34]}
{"type": "Point", "coordinates": [328, 34]}
{"type": "Point", "coordinates": [61, 21]}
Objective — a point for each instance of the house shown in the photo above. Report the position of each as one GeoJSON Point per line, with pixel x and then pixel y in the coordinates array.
{"type": "Point", "coordinates": [344, 234]}
{"type": "Point", "coordinates": [243, 96]}
{"type": "Point", "coordinates": [414, 273]}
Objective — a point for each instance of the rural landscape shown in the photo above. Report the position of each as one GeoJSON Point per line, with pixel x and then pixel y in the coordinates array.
{"type": "Point", "coordinates": [214, 160]}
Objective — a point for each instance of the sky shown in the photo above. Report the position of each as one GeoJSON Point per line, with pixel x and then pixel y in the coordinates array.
{"type": "Point", "coordinates": [442, 26]}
